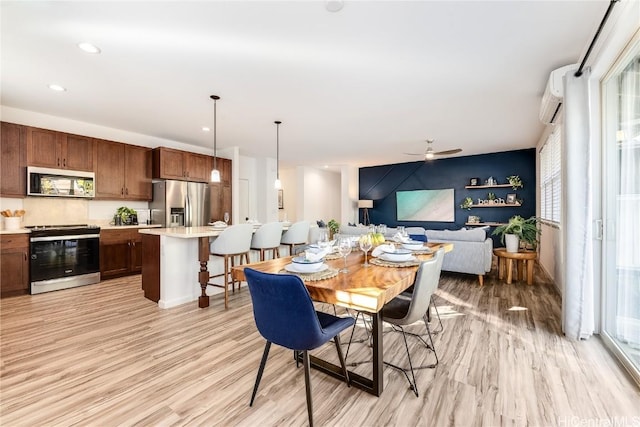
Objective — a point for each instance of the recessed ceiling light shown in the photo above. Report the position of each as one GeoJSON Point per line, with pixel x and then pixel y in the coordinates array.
{"type": "Point", "coordinates": [205, 129]}
{"type": "Point", "coordinates": [89, 48]}
{"type": "Point", "coordinates": [57, 88]}
{"type": "Point", "coordinates": [334, 5]}
{"type": "Point", "coordinates": [326, 166]}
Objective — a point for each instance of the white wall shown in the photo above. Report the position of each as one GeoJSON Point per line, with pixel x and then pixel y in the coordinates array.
{"type": "Point", "coordinates": [321, 194]}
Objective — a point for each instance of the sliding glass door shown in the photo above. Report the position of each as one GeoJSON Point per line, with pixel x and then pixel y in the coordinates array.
{"type": "Point", "coordinates": [621, 257]}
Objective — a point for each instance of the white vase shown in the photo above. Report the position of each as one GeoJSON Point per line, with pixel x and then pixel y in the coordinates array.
{"type": "Point", "coordinates": [512, 241]}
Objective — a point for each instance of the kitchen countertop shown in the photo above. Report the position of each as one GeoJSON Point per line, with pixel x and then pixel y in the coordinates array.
{"type": "Point", "coordinates": [18, 231]}
{"type": "Point", "coordinates": [102, 227]}
{"type": "Point", "coordinates": [185, 232]}
{"type": "Point", "coordinates": [119, 227]}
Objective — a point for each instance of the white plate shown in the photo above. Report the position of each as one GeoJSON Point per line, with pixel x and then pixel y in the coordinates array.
{"type": "Point", "coordinates": [292, 268]}
{"type": "Point", "coordinates": [385, 258]}
{"type": "Point", "coordinates": [422, 248]}
{"type": "Point", "coordinates": [218, 225]}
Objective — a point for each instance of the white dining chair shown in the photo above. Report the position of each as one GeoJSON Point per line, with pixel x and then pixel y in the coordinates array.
{"type": "Point", "coordinates": [267, 238]}
{"type": "Point", "coordinates": [297, 234]}
{"type": "Point", "coordinates": [233, 241]}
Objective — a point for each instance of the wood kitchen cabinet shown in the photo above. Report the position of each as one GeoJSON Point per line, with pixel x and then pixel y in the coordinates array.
{"type": "Point", "coordinates": [123, 171]}
{"type": "Point", "coordinates": [220, 193]}
{"type": "Point", "coordinates": [13, 160]}
{"type": "Point", "coordinates": [181, 165]}
{"type": "Point", "coordinates": [120, 252]}
{"type": "Point", "coordinates": [48, 148]}
{"type": "Point", "coordinates": [14, 264]}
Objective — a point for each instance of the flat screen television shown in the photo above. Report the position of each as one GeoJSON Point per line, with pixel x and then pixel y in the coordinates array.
{"type": "Point", "coordinates": [425, 205]}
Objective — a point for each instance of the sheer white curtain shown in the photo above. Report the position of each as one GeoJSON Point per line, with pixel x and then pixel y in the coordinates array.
{"type": "Point", "coordinates": [577, 304]}
{"type": "Point", "coordinates": [628, 221]}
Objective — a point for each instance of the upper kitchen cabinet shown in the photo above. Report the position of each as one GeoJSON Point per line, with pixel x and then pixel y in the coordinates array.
{"type": "Point", "coordinates": [123, 171]}
{"type": "Point", "coordinates": [13, 160]}
{"type": "Point", "coordinates": [181, 165]}
{"type": "Point", "coordinates": [59, 150]}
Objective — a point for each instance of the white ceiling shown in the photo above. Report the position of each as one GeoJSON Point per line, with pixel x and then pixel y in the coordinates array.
{"type": "Point", "coordinates": [360, 86]}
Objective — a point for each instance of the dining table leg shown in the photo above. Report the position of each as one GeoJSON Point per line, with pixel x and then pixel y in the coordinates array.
{"type": "Point", "coordinates": [378, 363]}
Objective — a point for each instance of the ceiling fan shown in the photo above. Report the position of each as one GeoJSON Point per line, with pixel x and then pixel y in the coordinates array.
{"type": "Point", "coordinates": [430, 154]}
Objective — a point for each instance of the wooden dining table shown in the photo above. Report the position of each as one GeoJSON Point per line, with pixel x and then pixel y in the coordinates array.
{"type": "Point", "coordinates": [365, 289]}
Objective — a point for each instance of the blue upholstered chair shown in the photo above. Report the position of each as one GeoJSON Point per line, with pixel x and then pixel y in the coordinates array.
{"type": "Point", "coordinates": [285, 315]}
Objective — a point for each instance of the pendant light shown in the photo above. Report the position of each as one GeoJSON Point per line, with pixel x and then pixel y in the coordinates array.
{"type": "Point", "coordinates": [215, 173]}
{"type": "Point", "coordinates": [278, 184]}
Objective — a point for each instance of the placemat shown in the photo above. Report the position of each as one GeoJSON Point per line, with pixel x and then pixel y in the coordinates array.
{"type": "Point", "coordinates": [330, 257]}
{"type": "Point", "coordinates": [312, 277]}
{"type": "Point", "coordinates": [383, 263]}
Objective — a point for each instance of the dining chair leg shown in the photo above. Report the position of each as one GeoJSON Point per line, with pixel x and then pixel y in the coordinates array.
{"type": "Point", "coordinates": [414, 385]}
{"type": "Point", "coordinates": [261, 254]}
{"type": "Point", "coordinates": [307, 383]}
{"type": "Point", "coordinates": [233, 282]}
{"type": "Point", "coordinates": [336, 340]}
{"type": "Point", "coordinates": [263, 362]}
{"type": "Point", "coordinates": [433, 348]}
{"type": "Point", "coordinates": [440, 326]}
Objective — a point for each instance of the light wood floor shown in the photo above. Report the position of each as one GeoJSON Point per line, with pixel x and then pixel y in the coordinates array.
{"type": "Point", "coordinates": [103, 355]}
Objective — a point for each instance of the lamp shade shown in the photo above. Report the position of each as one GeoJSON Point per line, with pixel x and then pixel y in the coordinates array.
{"type": "Point", "coordinates": [365, 204]}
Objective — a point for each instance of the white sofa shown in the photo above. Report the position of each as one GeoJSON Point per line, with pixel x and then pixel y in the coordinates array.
{"type": "Point", "coordinates": [472, 250]}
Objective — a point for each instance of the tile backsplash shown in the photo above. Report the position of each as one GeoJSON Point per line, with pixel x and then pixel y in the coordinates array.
{"type": "Point", "coordinates": [55, 211]}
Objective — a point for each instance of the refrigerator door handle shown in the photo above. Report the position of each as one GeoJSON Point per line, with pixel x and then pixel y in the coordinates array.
{"type": "Point", "coordinates": [187, 209]}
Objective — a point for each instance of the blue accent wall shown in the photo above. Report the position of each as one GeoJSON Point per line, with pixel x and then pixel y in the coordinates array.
{"type": "Point", "coordinates": [380, 183]}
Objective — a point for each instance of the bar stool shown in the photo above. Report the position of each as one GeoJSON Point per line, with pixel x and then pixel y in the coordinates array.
{"type": "Point", "coordinates": [297, 234]}
{"type": "Point", "coordinates": [233, 241]}
{"type": "Point", "coordinates": [267, 238]}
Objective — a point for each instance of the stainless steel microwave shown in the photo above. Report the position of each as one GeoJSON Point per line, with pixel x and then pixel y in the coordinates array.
{"type": "Point", "coordinates": [60, 183]}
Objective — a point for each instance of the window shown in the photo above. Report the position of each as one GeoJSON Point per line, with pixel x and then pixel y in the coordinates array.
{"type": "Point", "coordinates": [551, 178]}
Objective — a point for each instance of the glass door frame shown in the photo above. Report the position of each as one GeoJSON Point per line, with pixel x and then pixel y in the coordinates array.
{"type": "Point", "coordinates": [610, 167]}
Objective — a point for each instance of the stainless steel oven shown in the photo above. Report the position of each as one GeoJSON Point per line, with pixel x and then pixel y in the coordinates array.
{"type": "Point", "coordinates": [64, 257]}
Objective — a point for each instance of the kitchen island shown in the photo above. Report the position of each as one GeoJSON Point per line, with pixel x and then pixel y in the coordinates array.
{"type": "Point", "coordinates": [170, 275]}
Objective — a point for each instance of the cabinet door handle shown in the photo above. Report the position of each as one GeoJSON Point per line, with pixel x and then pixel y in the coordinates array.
{"type": "Point", "coordinates": [133, 244]}
{"type": "Point", "coordinates": [58, 161]}
{"type": "Point", "coordinates": [25, 256]}
{"type": "Point", "coordinates": [129, 243]}
{"type": "Point", "coordinates": [122, 191]}
{"type": "Point", "coordinates": [64, 163]}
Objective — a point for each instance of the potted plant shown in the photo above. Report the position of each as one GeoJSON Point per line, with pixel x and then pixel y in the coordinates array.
{"type": "Point", "coordinates": [514, 181]}
{"type": "Point", "coordinates": [123, 215]}
{"type": "Point", "coordinates": [334, 227]}
{"type": "Point", "coordinates": [516, 230]}
{"type": "Point", "coordinates": [467, 203]}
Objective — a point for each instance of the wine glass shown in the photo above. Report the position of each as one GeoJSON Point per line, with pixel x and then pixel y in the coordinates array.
{"type": "Point", "coordinates": [344, 249]}
{"type": "Point", "coordinates": [323, 239]}
{"type": "Point", "coordinates": [365, 246]}
{"type": "Point", "coordinates": [226, 217]}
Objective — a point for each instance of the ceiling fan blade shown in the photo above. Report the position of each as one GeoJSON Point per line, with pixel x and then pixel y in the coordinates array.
{"type": "Point", "coordinates": [414, 154]}
{"type": "Point", "coordinates": [448, 152]}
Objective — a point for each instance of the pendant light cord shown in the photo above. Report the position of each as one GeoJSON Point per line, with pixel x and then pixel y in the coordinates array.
{"type": "Point", "coordinates": [277, 122]}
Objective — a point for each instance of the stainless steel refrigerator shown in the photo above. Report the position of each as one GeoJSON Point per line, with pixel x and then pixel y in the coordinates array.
{"type": "Point", "coordinates": [180, 203]}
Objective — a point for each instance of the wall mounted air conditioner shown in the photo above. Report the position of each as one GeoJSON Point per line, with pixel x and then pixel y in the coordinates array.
{"type": "Point", "coordinates": [553, 94]}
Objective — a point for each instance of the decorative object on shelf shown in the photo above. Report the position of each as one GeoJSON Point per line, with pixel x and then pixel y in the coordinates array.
{"type": "Point", "coordinates": [514, 181]}
{"type": "Point", "coordinates": [491, 197]}
{"type": "Point", "coordinates": [491, 181]}
{"type": "Point", "coordinates": [518, 229]}
{"type": "Point", "coordinates": [334, 227]}
{"type": "Point", "coordinates": [473, 219]}
{"type": "Point", "coordinates": [474, 181]}
{"type": "Point", "coordinates": [280, 199]}
{"type": "Point", "coordinates": [467, 203]}
{"type": "Point", "coordinates": [215, 173]}
{"type": "Point", "coordinates": [511, 199]}
{"type": "Point", "coordinates": [366, 205]}
{"type": "Point", "coordinates": [278, 184]}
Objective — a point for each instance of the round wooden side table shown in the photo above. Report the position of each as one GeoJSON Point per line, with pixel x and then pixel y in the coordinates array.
{"type": "Point", "coordinates": [522, 257]}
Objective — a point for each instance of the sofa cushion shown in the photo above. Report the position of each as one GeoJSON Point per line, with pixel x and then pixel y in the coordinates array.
{"type": "Point", "coordinates": [472, 235]}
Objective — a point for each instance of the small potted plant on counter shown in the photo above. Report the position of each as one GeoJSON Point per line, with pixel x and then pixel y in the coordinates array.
{"type": "Point", "coordinates": [516, 230]}
{"type": "Point", "coordinates": [334, 228]}
{"type": "Point", "coordinates": [124, 216]}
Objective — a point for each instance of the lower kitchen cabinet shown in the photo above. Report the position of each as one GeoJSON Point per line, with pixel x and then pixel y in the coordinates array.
{"type": "Point", "coordinates": [14, 264]}
{"type": "Point", "coordinates": [120, 253]}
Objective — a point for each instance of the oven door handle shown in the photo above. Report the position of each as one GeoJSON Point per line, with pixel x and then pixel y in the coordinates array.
{"type": "Point", "coordinates": [73, 237]}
